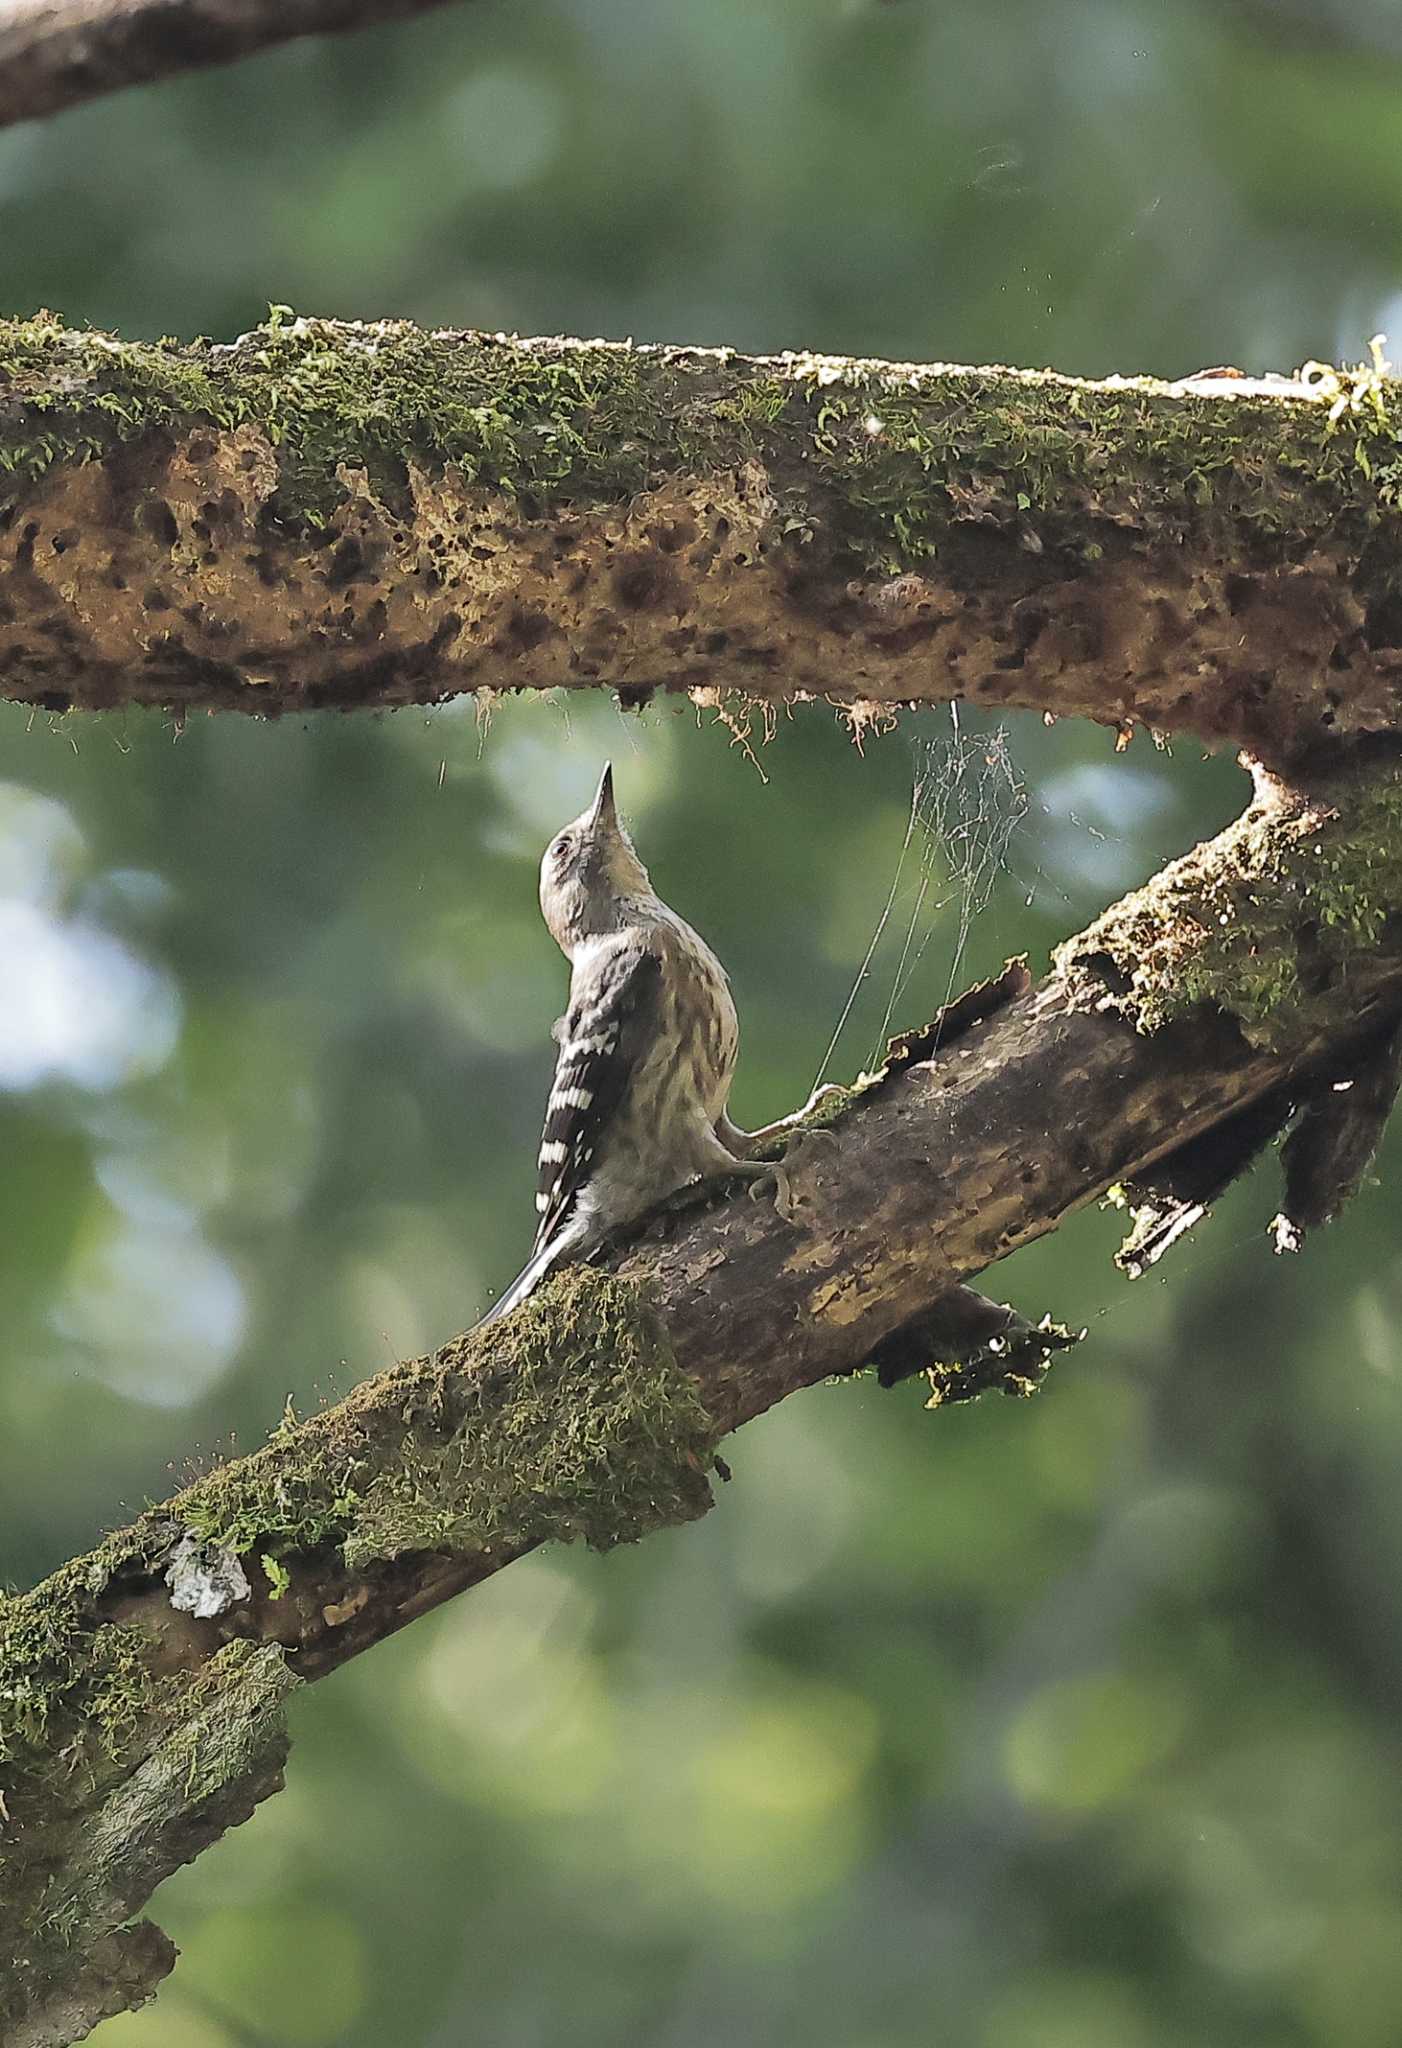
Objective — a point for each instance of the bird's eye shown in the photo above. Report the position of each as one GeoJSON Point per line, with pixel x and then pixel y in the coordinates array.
{"type": "Point", "coordinates": [560, 847]}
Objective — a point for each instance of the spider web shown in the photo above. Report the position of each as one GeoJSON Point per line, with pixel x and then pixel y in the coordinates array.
{"type": "Point", "coordinates": [967, 804]}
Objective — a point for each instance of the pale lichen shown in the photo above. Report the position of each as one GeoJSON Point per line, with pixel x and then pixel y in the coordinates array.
{"type": "Point", "coordinates": [124, 1720]}
{"type": "Point", "coordinates": [569, 1421]}
{"type": "Point", "coordinates": [191, 1759]}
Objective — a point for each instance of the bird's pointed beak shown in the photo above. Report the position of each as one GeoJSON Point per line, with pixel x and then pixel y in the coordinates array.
{"type": "Point", "coordinates": [602, 815]}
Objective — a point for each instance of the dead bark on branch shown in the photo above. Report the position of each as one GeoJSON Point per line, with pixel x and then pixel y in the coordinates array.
{"type": "Point", "coordinates": [57, 53]}
{"type": "Point", "coordinates": [326, 514]}
{"type": "Point", "coordinates": [352, 516]}
{"type": "Point", "coordinates": [141, 1688]}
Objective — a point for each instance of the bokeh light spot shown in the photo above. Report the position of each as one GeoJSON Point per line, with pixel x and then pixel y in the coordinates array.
{"type": "Point", "coordinates": [1080, 1743]}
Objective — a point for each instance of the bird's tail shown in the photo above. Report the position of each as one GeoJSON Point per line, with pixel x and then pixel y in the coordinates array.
{"type": "Point", "coordinates": [567, 1246]}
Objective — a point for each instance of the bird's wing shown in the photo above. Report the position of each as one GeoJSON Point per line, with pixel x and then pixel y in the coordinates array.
{"type": "Point", "coordinates": [607, 1028]}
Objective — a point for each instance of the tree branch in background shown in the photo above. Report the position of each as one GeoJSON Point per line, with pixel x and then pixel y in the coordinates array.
{"type": "Point", "coordinates": [336, 515]}
{"type": "Point", "coordinates": [58, 53]}
{"type": "Point", "coordinates": [142, 1687]}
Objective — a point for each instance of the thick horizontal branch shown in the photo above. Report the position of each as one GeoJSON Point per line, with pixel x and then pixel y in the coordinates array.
{"type": "Point", "coordinates": [141, 1688]}
{"type": "Point", "coordinates": [330, 514]}
{"type": "Point", "coordinates": [58, 53]}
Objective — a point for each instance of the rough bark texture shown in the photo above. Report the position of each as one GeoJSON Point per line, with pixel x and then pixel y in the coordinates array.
{"type": "Point", "coordinates": [330, 514]}
{"type": "Point", "coordinates": [333, 515]}
{"type": "Point", "coordinates": [141, 1687]}
{"type": "Point", "coordinates": [57, 53]}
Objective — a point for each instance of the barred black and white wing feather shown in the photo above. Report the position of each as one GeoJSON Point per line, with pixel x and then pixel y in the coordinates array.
{"type": "Point", "coordinates": [604, 1038]}
{"type": "Point", "coordinates": [608, 1030]}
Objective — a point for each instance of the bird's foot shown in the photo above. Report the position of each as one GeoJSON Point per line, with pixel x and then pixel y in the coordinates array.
{"type": "Point", "coordinates": [774, 1176]}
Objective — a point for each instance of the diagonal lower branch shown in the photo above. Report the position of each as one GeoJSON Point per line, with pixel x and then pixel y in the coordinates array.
{"type": "Point", "coordinates": [58, 53]}
{"type": "Point", "coordinates": [331, 514]}
{"type": "Point", "coordinates": [141, 1687]}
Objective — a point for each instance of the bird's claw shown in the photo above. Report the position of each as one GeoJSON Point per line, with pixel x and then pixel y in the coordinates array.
{"type": "Point", "coordinates": [772, 1179]}
{"type": "Point", "coordinates": [775, 1176]}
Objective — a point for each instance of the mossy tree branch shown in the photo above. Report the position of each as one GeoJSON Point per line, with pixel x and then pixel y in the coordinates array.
{"type": "Point", "coordinates": [333, 514]}
{"type": "Point", "coordinates": [141, 1688]}
{"type": "Point", "coordinates": [57, 53]}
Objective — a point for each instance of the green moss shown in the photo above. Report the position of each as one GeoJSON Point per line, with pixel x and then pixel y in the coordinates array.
{"type": "Point", "coordinates": [760, 402]}
{"type": "Point", "coordinates": [231, 1726]}
{"type": "Point", "coordinates": [1253, 920]}
{"type": "Point", "coordinates": [326, 393]}
{"type": "Point", "coordinates": [84, 1702]}
{"type": "Point", "coordinates": [899, 461]}
{"type": "Point", "coordinates": [295, 1494]}
{"type": "Point", "coordinates": [71, 1681]}
{"type": "Point", "coordinates": [579, 1428]}
{"type": "Point", "coordinates": [569, 1421]}
{"type": "Point", "coordinates": [59, 1672]}
{"type": "Point", "coordinates": [88, 1824]}
{"type": "Point", "coordinates": [277, 1575]}
{"type": "Point", "coordinates": [833, 1106]}
{"type": "Point", "coordinates": [830, 1108]}
{"type": "Point", "coordinates": [922, 453]}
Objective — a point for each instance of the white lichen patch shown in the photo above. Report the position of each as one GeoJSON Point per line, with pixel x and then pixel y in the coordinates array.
{"type": "Point", "coordinates": [203, 1581]}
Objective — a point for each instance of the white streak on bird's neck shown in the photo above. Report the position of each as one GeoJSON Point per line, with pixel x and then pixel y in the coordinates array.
{"type": "Point", "coordinates": [586, 954]}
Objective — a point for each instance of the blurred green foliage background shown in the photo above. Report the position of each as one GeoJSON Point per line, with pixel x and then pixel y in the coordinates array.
{"type": "Point", "coordinates": [1065, 1725]}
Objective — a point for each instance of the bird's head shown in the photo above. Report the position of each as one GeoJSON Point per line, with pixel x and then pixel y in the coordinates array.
{"type": "Point", "coordinates": [590, 874]}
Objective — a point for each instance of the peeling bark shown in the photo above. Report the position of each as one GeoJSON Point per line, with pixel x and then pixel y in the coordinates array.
{"type": "Point", "coordinates": [326, 514]}
{"type": "Point", "coordinates": [58, 53]}
{"type": "Point", "coordinates": [371, 516]}
{"type": "Point", "coordinates": [134, 1729]}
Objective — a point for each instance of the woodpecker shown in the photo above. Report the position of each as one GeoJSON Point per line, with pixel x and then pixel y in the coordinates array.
{"type": "Point", "coordinates": [647, 1050]}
